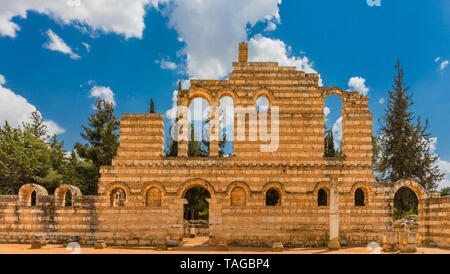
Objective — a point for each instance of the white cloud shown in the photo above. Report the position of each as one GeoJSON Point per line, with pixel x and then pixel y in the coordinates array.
{"type": "Point", "coordinates": [104, 93]}
{"type": "Point", "coordinates": [326, 111]}
{"type": "Point", "coordinates": [16, 109]}
{"type": "Point", "coordinates": [337, 132]}
{"type": "Point", "coordinates": [118, 16]}
{"type": "Point", "coordinates": [437, 59]}
{"type": "Point", "coordinates": [443, 65]}
{"type": "Point", "coordinates": [87, 46]}
{"type": "Point", "coordinates": [165, 64]}
{"type": "Point", "coordinates": [444, 166]}
{"type": "Point", "coordinates": [185, 84]}
{"type": "Point", "coordinates": [381, 101]}
{"type": "Point", "coordinates": [358, 84]}
{"type": "Point", "coordinates": [263, 49]}
{"type": "Point", "coordinates": [171, 114]}
{"type": "Point", "coordinates": [212, 30]}
{"type": "Point", "coordinates": [55, 43]}
{"type": "Point", "coordinates": [271, 26]}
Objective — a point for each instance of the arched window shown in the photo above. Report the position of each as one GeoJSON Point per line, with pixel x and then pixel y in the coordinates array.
{"type": "Point", "coordinates": [272, 197]}
{"type": "Point", "coordinates": [359, 197]}
{"type": "Point", "coordinates": [322, 197]}
{"type": "Point", "coordinates": [154, 197]}
{"type": "Point", "coordinates": [118, 198]}
{"type": "Point", "coordinates": [199, 128]}
{"type": "Point", "coordinates": [238, 196]}
{"type": "Point", "coordinates": [333, 126]}
{"type": "Point", "coordinates": [262, 104]}
{"type": "Point", "coordinates": [68, 198]}
{"type": "Point", "coordinates": [33, 198]}
{"type": "Point", "coordinates": [226, 127]}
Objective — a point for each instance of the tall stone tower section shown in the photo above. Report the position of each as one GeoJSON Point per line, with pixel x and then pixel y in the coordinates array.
{"type": "Point", "coordinates": [243, 52]}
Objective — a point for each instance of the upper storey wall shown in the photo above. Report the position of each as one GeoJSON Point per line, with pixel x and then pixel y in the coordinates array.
{"type": "Point", "coordinates": [300, 101]}
{"type": "Point", "coordinates": [141, 138]}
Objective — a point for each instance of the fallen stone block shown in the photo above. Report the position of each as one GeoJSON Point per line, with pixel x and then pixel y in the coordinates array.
{"type": "Point", "coordinates": [100, 244]}
{"type": "Point", "coordinates": [277, 247]}
{"type": "Point", "coordinates": [161, 244]}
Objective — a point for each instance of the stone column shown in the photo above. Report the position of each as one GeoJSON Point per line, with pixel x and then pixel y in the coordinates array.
{"type": "Point", "coordinates": [182, 130]}
{"type": "Point", "coordinates": [214, 131]}
{"type": "Point", "coordinates": [334, 215]}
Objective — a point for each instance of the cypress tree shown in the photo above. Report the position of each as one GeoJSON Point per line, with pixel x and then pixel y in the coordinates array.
{"type": "Point", "coordinates": [404, 143]}
{"type": "Point", "coordinates": [329, 144]}
{"type": "Point", "coordinates": [152, 106]}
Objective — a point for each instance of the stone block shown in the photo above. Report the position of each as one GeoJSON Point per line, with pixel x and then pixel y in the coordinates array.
{"type": "Point", "coordinates": [277, 247]}
{"type": "Point", "coordinates": [100, 244]}
{"type": "Point", "coordinates": [161, 244]}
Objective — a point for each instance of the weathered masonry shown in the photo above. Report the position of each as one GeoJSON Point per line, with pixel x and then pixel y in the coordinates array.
{"type": "Point", "coordinates": [141, 195]}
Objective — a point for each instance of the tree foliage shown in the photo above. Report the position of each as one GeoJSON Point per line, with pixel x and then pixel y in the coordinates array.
{"type": "Point", "coordinates": [404, 143]}
{"type": "Point", "coordinates": [197, 207]}
{"type": "Point", "coordinates": [101, 135]}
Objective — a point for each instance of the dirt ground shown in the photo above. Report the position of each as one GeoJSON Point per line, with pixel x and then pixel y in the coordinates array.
{"type": "Point", "coordinates": [191, 246]}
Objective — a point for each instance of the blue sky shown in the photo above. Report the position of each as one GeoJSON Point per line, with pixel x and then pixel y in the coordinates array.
{"type": "Point", "coordinates": [61, 56]}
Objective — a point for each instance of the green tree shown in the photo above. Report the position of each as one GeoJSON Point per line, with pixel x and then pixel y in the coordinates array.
{"type": "Point", "coordinates": [405, 145]}
{"type": "Point", "coordinates": [152, 106]}
{"type": "Point", "coordinates": [197, 207]}
{"type": "Point", "coordinates": [102, 137]}
{"type": "Point", "coordinates": [222, 142]}
{"type": "Point", "coordinates": [195, 147]}
{"type": "Point", "coordinates": [445, 191]}
{"type": "Point", "coordinates": [329, 144]}
{"type": "Point", "coordinates": [172, 145]}
{"type": "Point", "coordinates": [36, 127]}
{"type": "Point", "coordinates": [24, 159]}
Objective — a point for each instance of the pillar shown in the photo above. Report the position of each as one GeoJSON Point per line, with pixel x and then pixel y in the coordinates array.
{"type": "Point", "coordinates": [334, 215]}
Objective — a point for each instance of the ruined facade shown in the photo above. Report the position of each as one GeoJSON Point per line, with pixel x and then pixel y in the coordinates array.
{"type": "Point", "coordinates": [141, 195]}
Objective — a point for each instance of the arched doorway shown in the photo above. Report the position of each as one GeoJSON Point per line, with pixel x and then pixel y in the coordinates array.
{"type": "Point", "coordinates": [196, 212]}
{"type": "Point", "coordinates": [406, 203]}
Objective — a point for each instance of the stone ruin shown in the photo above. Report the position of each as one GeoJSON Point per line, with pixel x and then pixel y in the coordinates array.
{"type": "Point", "coordinates": [142, 193]}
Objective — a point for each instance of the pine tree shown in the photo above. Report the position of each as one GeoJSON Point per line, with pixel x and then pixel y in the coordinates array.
{"type": "Point", "coordinates": [222, 142]}
{"type": "Point", "coordinates": [37, 126]}
{"type": "Point", "coordinates": [405, 145]}
{"type": "Point", "coordinates": [195, 147]}
{"type": "Point", "coordinates": [152, 106]}
{"type": "Point", "coordinates": [172, 145]}
{"type": "Point", "coordinates": [102, 137]}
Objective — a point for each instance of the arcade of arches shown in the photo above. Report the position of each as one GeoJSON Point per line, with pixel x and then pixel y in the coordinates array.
{"type": "Point", "coordinates": [294, 195]}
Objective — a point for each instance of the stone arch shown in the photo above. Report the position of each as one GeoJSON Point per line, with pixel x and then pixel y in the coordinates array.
{"type": "Point", "coordinates": [266, 93]}
{"type": "Point", "coordinates": [367, 190]}
{"type": "Point", "coordinates": [422, 195]}
{"type": "Point", "coordinates": [198, 92]}
{"type": "Point", "coordinates": [26, 190]}
{"type": "Point", "coordinates": [241, 185]}
{"type": "Point", "coordinates": [227, 92]}
{"type": "Point", "coordinates": [279, 188]}
{"type": "Point", "coordinates": [113, 190]}
{"type": "Point", "coordinates": [193, 183]}
{"type": "Point", "coordinates": [324, 185]}
{"type": "Point", "coordinates": [419, 190]}
{"type": "Point", "coordinates": [61, 192]}
{"type": "Point", "coordinates": [154, 184]}
{"type": "Point", "coordinates": [153, 197]}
